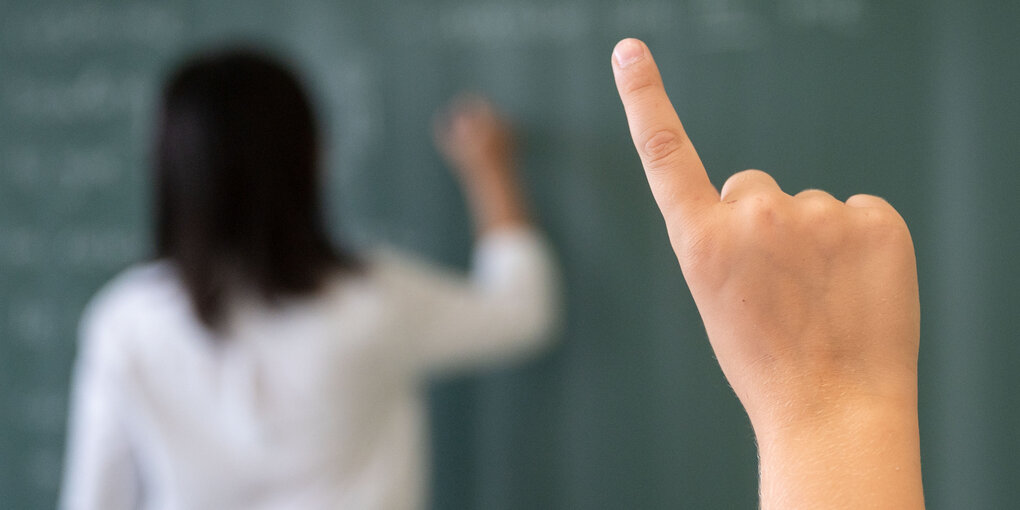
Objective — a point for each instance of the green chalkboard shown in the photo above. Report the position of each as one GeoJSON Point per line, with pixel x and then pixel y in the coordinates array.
{"type": "Point", "coordinates": [915, 101]}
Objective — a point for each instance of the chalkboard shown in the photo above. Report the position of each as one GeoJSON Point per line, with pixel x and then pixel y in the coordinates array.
{"type": "Point", "coordinates": [911, 100]}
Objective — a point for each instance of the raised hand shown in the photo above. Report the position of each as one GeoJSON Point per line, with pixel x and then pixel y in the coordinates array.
{"type": "Point", "coordinates": [473, 137]}
{"type": "Point", "coordinates": [479, 144]}
{"type": "Point", "coordinates": [810, 304]}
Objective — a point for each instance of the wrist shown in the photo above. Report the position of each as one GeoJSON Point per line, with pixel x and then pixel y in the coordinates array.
{"type": "Point", "coordinates": [495, 199]}
{"type": "Point", "coordinates": [862, 453]}
{"type": "Point", "coordinates": [831, 418]}
{"type": "Point", "coordinates": [485, 174]}
{"type": "Point", "coordinates": [798, 385]}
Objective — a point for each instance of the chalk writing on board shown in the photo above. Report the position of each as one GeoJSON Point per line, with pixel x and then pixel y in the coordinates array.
{"type": "Point", "coordinates": [726, 25]}
{"type": "Point", "coordinates": [32, 325]}
{"type": "Point", "coordinates": [642, 18]}
{"type": "Point", "coordinates": [93, 94]}
{"type": "Point", "coordinates": [845, 16]}
{"type": "Point", "coordinates": [70, 168]}
{"type": "Point", "coordinates": [514, 23]}
{"type": "Point", "coordinates": [44, 468]}
{"type": "Point", "coordinates": [716, 25]}
{"type": "Point", "coordinates": [355, 98]}
{"type": "Point", "coordinates": [76, 27]}
{"type": "Point", "coordinates": [41, 410]}
{"type": "Point", "coordinates": [91, 247]}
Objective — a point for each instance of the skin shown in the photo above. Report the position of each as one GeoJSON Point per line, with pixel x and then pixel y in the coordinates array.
{"type": "Point", "coordinates": [810, 304]}
{"type": "Point", "coordinates": [479, 145]}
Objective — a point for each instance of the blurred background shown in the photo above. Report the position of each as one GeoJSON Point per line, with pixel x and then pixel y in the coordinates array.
{"type": "Point", "coordinates": [912, 100]}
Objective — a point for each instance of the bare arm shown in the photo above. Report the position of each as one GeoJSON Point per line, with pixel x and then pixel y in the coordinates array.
{"type": "Point", "coordinates": [810, 304]}
{"type": "Point", "coordinates": [479, 144]}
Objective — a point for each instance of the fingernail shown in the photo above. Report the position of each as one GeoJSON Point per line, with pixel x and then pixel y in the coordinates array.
{"type": "Point", "coordinates": [627, 52]}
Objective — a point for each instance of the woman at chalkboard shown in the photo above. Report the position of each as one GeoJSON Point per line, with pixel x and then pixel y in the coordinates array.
{"type": "Point", "coordinates": [255, 365]}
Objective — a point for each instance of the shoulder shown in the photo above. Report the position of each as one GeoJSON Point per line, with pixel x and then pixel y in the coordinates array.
{"type": "Point", "coordinates": [132, 289]}
{"type": "Point", "coordinates": [128, 297]}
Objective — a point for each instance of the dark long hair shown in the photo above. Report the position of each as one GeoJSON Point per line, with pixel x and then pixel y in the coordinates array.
{"type": "Point", "coordinates": [237, 183]}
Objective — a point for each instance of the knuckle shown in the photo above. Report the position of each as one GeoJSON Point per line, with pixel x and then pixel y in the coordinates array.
{"type": "Point", "coordinates": [858, 198]}
{"type": "Point", "coordinates": [638, 83]}
{"type": "Point", "coordinates": [746, 179]}
{"type": "Point", "coordinates": [879, 219]}
{"type": "Point", "coordinates": [759, 208]}
{"type": "Point", "coordinates": [818, 209]}
{"type": "Point", "coordinates": [814, 194]}
{"type": "Point", "coordinates": [885, 223]}
{"type": "Point", "coordinates": [866, 200]}
{"type": "Point", "coordinates": [821, 219]}
{"type": "Point", "coordinates": [661, 146]}
{"type": "Point", "coordinates": [756, 217]}
{"type": "Point", "coordinates": [752, 174]}
{"type": "Point", "coordinates": [742, 176]}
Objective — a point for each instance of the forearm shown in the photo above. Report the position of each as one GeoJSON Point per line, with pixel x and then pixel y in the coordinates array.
{"type": "Point", "coordinates": [863, 454]}
{"type": "Point", "coordinates": [495, 200]}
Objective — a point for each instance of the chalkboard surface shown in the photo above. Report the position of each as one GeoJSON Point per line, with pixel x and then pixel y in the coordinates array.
{"type": "Point", "coordinates": [915, 101]}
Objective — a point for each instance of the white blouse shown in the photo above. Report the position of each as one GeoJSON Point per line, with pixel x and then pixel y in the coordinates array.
{"type": "Point", "coordinates": [313, 404]}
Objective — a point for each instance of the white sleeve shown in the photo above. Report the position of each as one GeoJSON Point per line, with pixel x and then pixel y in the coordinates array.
{"type": "Point", "coordinates": [99, 472]}
{"type": "Point", "coordinates": [505, 308]}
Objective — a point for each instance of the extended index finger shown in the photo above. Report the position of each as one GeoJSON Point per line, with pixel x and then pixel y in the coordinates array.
{"type": "Point", "coordinates": [675, 174]}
